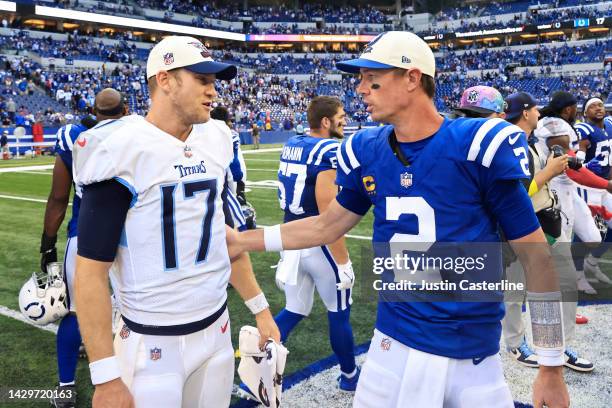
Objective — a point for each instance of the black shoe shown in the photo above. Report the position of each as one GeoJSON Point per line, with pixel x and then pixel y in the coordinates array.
{"type": "Point", "coordinates": [65, 397]}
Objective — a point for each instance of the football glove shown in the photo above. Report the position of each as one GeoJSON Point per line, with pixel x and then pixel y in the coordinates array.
{"type": "Point", "coordinates": [48, 251]}
{"type": "Point", "coordinates": [594, 165]}
{"type": "Point", "coordinates": [347, 276]}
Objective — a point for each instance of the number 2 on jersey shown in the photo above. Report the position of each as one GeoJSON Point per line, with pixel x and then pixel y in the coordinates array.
{"type": "Point", "coordinates": [190, 189]}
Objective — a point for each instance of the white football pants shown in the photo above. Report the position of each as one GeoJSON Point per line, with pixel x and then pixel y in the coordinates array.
{"type": "Point", "coordinates": [397, 376]}
{"type": "Point", "coordinates": [194, 370]}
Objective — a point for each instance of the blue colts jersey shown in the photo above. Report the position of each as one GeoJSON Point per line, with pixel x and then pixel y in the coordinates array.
{"type": "Point", "coordinates": [461, 185]}
{"type": "Point", "coordinates": [600, 145]}
{"type": "Point", "coordinates": [301, 161]}
{"type": "Point", "coordinates": [66, 137]}
{"type": "Point", "coordinates": [608, 125]}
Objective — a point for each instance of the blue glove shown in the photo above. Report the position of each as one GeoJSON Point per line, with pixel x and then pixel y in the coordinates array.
{"type": "Point", "coordinates": [594, 165]}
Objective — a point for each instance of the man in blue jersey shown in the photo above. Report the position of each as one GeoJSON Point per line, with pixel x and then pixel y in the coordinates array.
{"type": "Point", "coordinates": [109, 104]}
{"type": "Point", "coordinates": [595, 148]}
{"type": "Point", "coordinates": [434, 180]}
{"type": "Point", "coordinates": [242, 212]}
{"type": "Point", "coordinates": [306, 187]}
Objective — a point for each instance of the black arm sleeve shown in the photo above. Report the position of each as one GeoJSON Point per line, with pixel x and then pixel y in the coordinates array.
{"type": "Point", "coordinates": [229, 220]}
{"type": "Point", "coordinates": [104, 206]}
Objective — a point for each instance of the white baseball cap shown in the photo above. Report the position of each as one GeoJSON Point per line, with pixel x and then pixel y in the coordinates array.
{"type": "Point", "coordinates": [393, 49]}
{"type": "Point", "coordinates": [186, 52]}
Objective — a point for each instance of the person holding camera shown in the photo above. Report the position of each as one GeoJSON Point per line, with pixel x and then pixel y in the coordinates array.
{"type": "Point", "coordinates": [522, 111]}
{"type": "Point", "coordinates": [552, 192]}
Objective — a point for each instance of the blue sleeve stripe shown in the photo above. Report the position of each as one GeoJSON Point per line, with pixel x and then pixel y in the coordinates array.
{"type": "Point", "coordinates": [584, 128]}
{"type": "Point", "coordinates": [129, 187]}
{"type": "Point", "coordinates": [68, 138]}
{"type": "Point", "coordinates": [480, 135]}
{"type": "Point", "coordinates": [60, 139]}
{"type": "Point", "coordinates": [234, 206]}
{"type": "Point", "coordinates": [341, 162]}
{"type": "Point", "coordinates": [315, 149]}
{"type": "Point", "coordinates": [351, 154]}
{"type": "Point", "coordinates": [487, 159]}
{"type": "Point", "coordinates": [325, 149]}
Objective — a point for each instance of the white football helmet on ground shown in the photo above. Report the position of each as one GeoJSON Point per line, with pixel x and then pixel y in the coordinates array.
{"type": "Point", "coordinates": [42, 298]}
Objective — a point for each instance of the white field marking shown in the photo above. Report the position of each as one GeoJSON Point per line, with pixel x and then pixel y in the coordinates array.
{"type": "Point", "coordinates": [5, 311]}
{"type": "Point", "coordinates": [26, 168]}
{"type": "Point", "coordinates": [261, 160]}
{"type": "Point", "coordinates": [607, 261]}
{"type": "Point", "coordinates": [262, 226]}
{"type": "Point", "coordinates": [33, 200]}
{"type": "Point", "coordinates": [262, 183]}
{"type": "Point", "coordinates": [43, 173]}
{"type": "Point", "coordinates": [272, 170]}
{"type": "Point", "coordinates": [270, 150]}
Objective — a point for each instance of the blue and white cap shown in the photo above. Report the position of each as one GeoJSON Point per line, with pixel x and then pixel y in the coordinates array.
{"type": "Point", "coordinates": [393, 49]}
{"type": "Point", "coordinates": [178, 51]}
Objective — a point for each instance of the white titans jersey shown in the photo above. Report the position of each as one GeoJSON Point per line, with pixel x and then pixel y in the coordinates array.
{"type": "Point", "coordinates": [172, 265]}
{"type": "Point", "coordinates": [551, 127]}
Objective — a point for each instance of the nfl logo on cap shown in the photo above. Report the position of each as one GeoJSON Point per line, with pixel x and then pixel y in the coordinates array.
{"type": "Point", "coordinates": [406, 180]}
{"type": "Point", "coordinates": [168, 58]}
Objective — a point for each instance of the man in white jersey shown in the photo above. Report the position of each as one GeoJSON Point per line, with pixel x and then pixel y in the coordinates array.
{"type": "Point", "coordinates": [154, 210]}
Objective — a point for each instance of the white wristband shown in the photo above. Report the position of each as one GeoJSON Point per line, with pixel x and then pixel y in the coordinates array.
{"type": "Point", "coordinates": [580, 155]}
{"type": "Point", "coordinates": [272, 238]}
{"type": "Point", "coordinates": [104, 370]}
{"type": "Point", "coordinates": [257, 303]}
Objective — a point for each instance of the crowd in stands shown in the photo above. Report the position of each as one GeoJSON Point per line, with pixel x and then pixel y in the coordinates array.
{"type": "Point", "coordinates": [232, 11]}
{"type": "Point", "coordinates": [76, 47]}
{"type": "Point", "coordinates": [541, 56]}
{"type": "Point", "coordinates": [506, 7]}
{"type": "Point", "coordinates": [281, 28]}
{"type": "Point", "coordinates": [85, 47]}
{"type": "Point", "coordinates": [253, 96]}
{"type": "Point", "coordinates": [18, 93]}
{"type": "Point", "coordinates": [451, 85]}
{"type": "Point", "coordinates": [518, 20]}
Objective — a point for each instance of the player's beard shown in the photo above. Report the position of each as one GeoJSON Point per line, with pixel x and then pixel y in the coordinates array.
{"type": "Point", "coordinates": [335, 134]}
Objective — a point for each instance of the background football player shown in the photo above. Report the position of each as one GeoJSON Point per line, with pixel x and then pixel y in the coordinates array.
{"type": "Point", "coordinates": [595, 147]}
{"type": "Point", "coordinates": [109, 104]}
{"type": "Point", "coordinates": [306, 177]}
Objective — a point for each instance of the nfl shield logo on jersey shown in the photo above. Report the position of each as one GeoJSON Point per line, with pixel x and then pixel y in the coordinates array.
{"type": "Point", "coordinates": [155, 354]}
{"type": "Point", "coordinates": [187, 151]}
{"type": "Point", "coordinates": [406, 179]}
{"type": "Point", "coordinates": [385, 344]}
{"type": "Point", "coordinates": [168, 58]}
{"type": "Point", "coordinates": [125, 332]}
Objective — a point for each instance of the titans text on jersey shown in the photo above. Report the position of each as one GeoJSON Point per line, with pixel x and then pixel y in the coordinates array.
{"type": "Point", "coordinates": [455, 189]}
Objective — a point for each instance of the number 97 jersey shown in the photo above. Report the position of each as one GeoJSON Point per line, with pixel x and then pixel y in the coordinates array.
{"type": "Point", "coordinates": [301, 161]}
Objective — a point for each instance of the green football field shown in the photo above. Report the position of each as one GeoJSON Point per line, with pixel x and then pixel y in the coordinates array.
{"type": "Point", "coordinates": [29, 353]}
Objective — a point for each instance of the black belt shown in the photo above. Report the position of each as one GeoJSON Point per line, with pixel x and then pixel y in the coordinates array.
{"type": "Point", "coordinates": [177, 330]}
